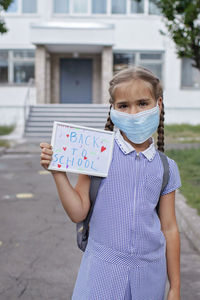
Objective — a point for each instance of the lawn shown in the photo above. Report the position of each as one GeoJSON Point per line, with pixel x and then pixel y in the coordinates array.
{"type": "Point", "coordinates": [183, 133]}
{"type": "Point", "coordinates": [4, 143]}
{"type": "Point", "coordinates": [4, 130]}
{"type": "Point", "coordinates": [188, 161]}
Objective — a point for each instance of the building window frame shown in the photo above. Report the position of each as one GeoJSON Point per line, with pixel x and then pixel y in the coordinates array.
{"type": "Point", "coordinates": [20, 10]}
{"type": "Point", "coordinates": [139, 62]}
{"type": "Point", "coordinates": [11, 64]}
{"type": "Point", "coordinates": [157, 10]}
{"type": "Point", "coordinates": [188, 87]}
{"type": "Point", "coordinates": [108, 12]}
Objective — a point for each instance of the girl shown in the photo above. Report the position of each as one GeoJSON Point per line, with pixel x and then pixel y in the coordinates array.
{"type": "Point", "coordinates": [131, 248]}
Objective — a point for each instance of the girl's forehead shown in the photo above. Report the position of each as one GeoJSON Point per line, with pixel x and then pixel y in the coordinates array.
{"type": "Point", "coordinates": [133, 89]}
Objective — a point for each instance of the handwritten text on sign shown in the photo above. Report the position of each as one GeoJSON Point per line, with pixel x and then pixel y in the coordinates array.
{"type": "Point", "coordinates": [81, 149]}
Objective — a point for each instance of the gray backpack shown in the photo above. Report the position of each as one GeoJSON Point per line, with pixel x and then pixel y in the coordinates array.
{"type": "Point", "coordinates": [82, 228]}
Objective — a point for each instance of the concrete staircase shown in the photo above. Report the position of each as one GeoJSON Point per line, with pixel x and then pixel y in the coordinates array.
{"type": "Point", "coordinates": [41, 117]}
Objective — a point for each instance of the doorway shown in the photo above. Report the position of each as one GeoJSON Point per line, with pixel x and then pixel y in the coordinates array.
{"type": "Point", "coordinates": [75, 80]}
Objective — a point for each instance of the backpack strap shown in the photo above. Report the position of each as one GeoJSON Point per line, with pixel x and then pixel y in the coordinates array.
{"type": "Point", "coordinates": [94, 186]}
{"type": "Point", "coordinates": [165, 163]}
{"type": "Point", "coordinates": [166, 170]}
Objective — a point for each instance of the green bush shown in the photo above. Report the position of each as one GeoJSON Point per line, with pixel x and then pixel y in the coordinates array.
{"type": "Point", "coordinates": [6, 129]}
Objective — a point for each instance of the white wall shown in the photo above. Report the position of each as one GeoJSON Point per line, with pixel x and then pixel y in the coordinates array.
{"type": "Point", "coordinates": [137, 32]}
{"type": "Point", "coordinates": [12, 101]}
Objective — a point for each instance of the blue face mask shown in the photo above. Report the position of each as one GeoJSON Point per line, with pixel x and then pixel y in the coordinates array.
{"type": "Point", "coordinates": [137, 127]}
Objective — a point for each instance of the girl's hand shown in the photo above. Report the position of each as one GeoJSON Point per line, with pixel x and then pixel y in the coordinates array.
{"type": "Point", "coordinates": [46, 156]}
{"type": "Point", "coordinates": [173, 294]}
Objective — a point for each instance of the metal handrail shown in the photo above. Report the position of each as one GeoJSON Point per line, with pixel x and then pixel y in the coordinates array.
{"type": "Point", "coordinates": [27, 101]}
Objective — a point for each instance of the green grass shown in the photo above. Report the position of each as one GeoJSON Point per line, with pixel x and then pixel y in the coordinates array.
{"type": "Point", "coordinates": [4, 144]}
{"type": "Point", "coordinates": [6, 129]}
{"type": "Point", "coordinates": [183, 133]}
{"type": "Point", "coordinates": [188, 161]}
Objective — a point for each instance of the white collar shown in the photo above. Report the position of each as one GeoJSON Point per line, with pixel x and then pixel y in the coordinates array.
{"type": "Point", "coordinates": [126, 148]}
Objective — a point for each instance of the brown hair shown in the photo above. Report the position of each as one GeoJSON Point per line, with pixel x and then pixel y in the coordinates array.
{"type": "Point", "coordinates": [133, 73]}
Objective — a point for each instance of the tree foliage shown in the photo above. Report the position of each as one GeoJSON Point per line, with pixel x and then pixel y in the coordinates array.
{"type": "Point", "coordinates": [4, 4]}
{"type": "Point", "coordinates": [182, 20]}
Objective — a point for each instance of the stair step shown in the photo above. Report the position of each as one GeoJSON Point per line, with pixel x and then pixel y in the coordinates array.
{"type": "Point", "coordinates": [38, 134]}
{"type": "Point", "coordinates": [41, 117]}
{"type": "Point", "coordinates": [49, 128]}
{"type": "Point", "coordinates": [78, 105]}
{"type": "Point", "coordinates": [66, 120]}
{"type": "Point", "coordinates": [68, 114]}
{"type": "Point", "coordinates": [70, 109]}
{"type": "Point", "coordinates": [75, 121]}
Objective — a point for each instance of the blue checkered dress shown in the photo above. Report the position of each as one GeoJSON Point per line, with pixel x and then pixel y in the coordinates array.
{"type": "Point", "coordinates": [126, 253]}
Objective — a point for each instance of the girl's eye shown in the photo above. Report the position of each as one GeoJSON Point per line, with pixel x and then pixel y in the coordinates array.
{"type": "Point", "coordinates": [122, 106]}
{"type": "Point", "coordinates": [143, 103]}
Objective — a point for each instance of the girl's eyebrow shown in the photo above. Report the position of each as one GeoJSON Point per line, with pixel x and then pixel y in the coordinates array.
{"type": "Point", "coordinates": [143, 99]}
{"type": "Point", "coordinates": [125, 102]}
{"type": "Point", "coordinates": [122, 102]}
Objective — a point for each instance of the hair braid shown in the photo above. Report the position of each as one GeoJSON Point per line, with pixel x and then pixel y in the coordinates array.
{"type": "Point", "coordinates": [160, 131]}
{"type": "Point", "coordinates": [109, 124]}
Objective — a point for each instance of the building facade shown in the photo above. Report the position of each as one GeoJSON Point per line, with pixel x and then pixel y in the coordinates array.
{"type": "Point", "coordinates": [73, 47]}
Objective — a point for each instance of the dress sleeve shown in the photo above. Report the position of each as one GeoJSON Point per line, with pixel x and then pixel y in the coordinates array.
{"type": "Point", "coordinates": [174, 181]}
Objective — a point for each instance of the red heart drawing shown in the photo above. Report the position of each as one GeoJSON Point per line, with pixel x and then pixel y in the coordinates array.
{"type": "Point", "coordinates": [59, 166]}
{"type": "Point", "coordinates": [64, 148]}
{"type": "Point", "coordinates": [103, 148]}
{"type": "Point", "coordinates": [85, 157]}
{"type": "Point", "coordinates": [67, 135]}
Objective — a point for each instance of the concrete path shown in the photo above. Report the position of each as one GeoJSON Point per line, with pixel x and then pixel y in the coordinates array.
{"type": "Point", "coordinates": [39, 258]}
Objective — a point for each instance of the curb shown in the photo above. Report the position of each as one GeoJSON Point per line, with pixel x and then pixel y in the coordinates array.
{"type": "Point", "coordinates": [21, 152]}
{"type": "Point", "coordinates": [2, 150]}
{"type": "Point", "coordinates": [188, 220]}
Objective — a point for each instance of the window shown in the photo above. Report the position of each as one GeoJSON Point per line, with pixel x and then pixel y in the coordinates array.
{"type": "Point", "coordinates": [16, 66]}
{"type": "Point", "coordinates": [23, 54]}
{"type": "Point", "coordinates": [80, 6]}
{"type": "Point", "coordinates": [146, 56]}
{"type": "Point", "coordinates": [190, 76]}
{"type": "Point", "coordinates": [61, 6]}
{"type": "Point", "coordinates": [23, 65]}
{"type": "Point", "coordinates": [99, 7]}
{"type": "Point", "coordinates": [23, 6]}
{"type": "Point", "coordinates": [153, 8]}
{"type": "Point", "coordinates": [23, 71]}
{"type": "Point", "coordinates": [13, 8]}
{"type": "Point", "coordinates": [123, 60]}
{"type": "Point", "coordinates": [153, 62]}
{"type": "Point", "coordinates": [29, 6]}
{"type": "Point", "coordinates": [150, 60]}
{"type": "Point", "coordinates": [118, 6]}
{"type": "Point", "coordinates": [3, 66]}
{"type": "Point", "coordinates": [137, 7]}
{"type": "Point", "coordinates": [122, 7]}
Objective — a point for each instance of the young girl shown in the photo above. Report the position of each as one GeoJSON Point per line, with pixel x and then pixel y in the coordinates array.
{"type": "Point", "coordinates": [131, 248]}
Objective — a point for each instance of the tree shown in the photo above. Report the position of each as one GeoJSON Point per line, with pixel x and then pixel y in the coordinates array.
{"type": "Point", "coordinates": [182, 20]}
{"type": "Point", "coordinates": [4, 4]}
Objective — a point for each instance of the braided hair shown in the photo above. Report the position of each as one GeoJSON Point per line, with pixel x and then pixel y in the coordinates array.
{"type": "Point", "coordinates": [142, 73]}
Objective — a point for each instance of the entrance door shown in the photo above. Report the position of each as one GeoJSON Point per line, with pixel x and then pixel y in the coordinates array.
{"type": "Point", "coordinates": [75, 80]}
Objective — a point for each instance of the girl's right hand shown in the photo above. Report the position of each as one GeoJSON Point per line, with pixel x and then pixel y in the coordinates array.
{"type": "Point", "coordinates": [46, 155]}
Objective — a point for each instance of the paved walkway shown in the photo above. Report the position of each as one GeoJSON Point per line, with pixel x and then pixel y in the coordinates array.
{"type": "Point", "coordinates": [39, 258]}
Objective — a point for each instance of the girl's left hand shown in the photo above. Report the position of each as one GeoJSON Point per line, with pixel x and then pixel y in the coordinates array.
{"type": "Point", "coordinates": [173, 295]}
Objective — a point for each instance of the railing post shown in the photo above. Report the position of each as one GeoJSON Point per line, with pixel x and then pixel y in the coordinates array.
{"type": "Point", "coordinates": [27, 102]}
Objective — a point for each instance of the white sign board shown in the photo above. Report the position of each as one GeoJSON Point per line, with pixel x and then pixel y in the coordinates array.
{"type": "Point", "coordinates": [79, 149]}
